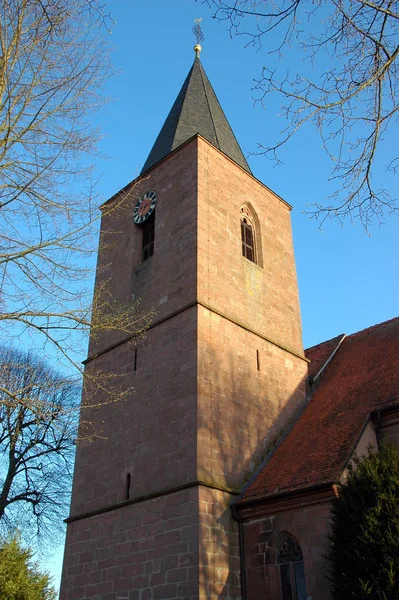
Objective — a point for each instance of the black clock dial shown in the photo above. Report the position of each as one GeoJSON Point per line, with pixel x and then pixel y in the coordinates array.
{"type": "Point", "coordinates": [145, 207]}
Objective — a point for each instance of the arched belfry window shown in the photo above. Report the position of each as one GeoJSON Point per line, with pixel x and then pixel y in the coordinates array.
{"type": "Point", "coordinates": [248, 235]}
{"type": "Point", "coordinates": [292, 572]}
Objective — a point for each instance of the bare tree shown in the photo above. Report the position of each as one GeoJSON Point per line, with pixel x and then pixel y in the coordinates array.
{"type": "Point", "coordinates": [352, 103]}
{"type": "Point", "coordinates": [53, 62]}
{"type": "Point", "coordinates": [38, 422]}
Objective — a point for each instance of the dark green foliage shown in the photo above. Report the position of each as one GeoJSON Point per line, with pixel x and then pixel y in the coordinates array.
{"type": "Point", "coordinates": [20, 579]}
{"type": "Point", "coordinates": [363, 551]}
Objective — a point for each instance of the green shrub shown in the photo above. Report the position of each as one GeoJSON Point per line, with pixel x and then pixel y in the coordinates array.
{"type": "Point", "coordinates": [363, 550]}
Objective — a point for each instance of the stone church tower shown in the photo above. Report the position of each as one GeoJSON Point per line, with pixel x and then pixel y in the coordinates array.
{"type": "Point", "coordinates": [219, 374]}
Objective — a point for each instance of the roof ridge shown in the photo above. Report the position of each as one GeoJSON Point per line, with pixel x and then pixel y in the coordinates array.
{"type": "Point", "coordinates": [324, 342]}
{"type": "Point", "coordinates": [314, 379]}
{"type": "Point", "coordinates": [207, 101]}
{"type": "Point", "coordinates": [187, 79]}
{"type": "Point", "coordinates": [351, 335]}
{"type": "Point", "coordinates": [228, 122]}
{"type": "Point", "coordinates": [372, 327]}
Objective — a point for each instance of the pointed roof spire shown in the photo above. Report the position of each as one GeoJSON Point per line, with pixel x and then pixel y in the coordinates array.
{"type": "Point", "coordinates": [196, 111]}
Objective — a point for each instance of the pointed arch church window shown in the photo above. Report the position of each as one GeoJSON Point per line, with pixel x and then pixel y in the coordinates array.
{"type": "Point", "coordinates": [292, 572]}
{"type": "Point", "coordinates": [248, 235]}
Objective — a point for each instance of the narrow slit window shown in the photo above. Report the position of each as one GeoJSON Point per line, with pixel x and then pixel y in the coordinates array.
{"type": "Point", "coordinates": [128, 482]}
{"type": "Point", "coordinates": [135, 360]}
{"type": "Point", "coordinates": [257, 360]}
{"type": "Point", "coordinates": [148, 238]}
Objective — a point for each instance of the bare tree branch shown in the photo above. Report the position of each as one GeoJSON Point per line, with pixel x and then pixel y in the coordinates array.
{"type": "Point", "coordinates": [54, 61]}
{"type": "Point", "coordinates": [38, 422]}
{"type": "Point", "coordinates": [351, 104]}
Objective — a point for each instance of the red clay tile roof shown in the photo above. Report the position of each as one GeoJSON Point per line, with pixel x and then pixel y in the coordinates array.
{"type": "Point", "coordinates": [362, 376]}
{"type": "Point", "coordinates": [318, 355]}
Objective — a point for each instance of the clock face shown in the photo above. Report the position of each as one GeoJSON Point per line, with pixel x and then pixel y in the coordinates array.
{"type": "Point", "coordinates": [145, 207]}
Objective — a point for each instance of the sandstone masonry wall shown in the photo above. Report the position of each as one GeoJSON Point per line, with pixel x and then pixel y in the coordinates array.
{"type": "Point", "coordinates": [219, 374]}
{"type": "Point", "coordinates": [308, 526]}
{"type": "Point", "coordinates": [166, 281]}
{"type": "Point", "coordinates": [264, 298]}
{"type": "Point", "coordinates": [144, 551]}
{"type": "Point", "coordinates": [150, 436]}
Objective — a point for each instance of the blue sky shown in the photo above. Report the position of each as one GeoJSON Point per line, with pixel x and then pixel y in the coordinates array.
{"type": "Point", "coordinates": [348, 280]}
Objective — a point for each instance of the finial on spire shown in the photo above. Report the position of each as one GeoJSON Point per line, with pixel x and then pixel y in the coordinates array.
{"type": "Point", "coordinates": [197, 31]}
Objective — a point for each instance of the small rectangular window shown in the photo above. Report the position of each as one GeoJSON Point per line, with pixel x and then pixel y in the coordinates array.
{"type": "Point", "coordinates": [148, 238]}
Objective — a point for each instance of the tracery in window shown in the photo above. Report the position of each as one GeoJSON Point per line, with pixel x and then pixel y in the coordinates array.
{"type": "Point", "coordinates": [248, 235]}
{"type": "Point", "coordinates": [292, 572]}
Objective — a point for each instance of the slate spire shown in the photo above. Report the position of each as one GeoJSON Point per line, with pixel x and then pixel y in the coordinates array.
{"type": "Point", "coordinates": [196, 110]}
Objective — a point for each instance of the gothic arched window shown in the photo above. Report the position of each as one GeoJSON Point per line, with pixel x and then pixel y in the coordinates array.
{"type": "Point", "coordinates": [248, 235]}
{"type": "Point", "coordinates": [292, 572]}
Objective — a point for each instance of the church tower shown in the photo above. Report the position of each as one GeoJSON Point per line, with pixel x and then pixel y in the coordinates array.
{"type": "Point", "coordinates": [219, 374]}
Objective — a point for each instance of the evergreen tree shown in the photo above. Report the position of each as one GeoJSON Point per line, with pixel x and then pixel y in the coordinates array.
{"type": "Point", "coordinates": [20, 578]}
{"type": "Point", "coordinates": [363, 550]}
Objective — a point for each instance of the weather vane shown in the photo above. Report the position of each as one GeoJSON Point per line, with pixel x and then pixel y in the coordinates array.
{"type": "Point", "coordinates": [197, 31]}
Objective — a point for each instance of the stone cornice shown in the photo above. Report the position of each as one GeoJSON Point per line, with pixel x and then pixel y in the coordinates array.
{"type": "Point", "coordinates": [211, 309]}
{"type": "Point", "coordinates": [254, 508]}
{"type": "Point", "coordinates": [145, 497]}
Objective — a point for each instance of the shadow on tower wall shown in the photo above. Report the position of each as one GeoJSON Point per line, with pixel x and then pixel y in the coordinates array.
{"type": "Point", "coordinates": [247, 397]}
